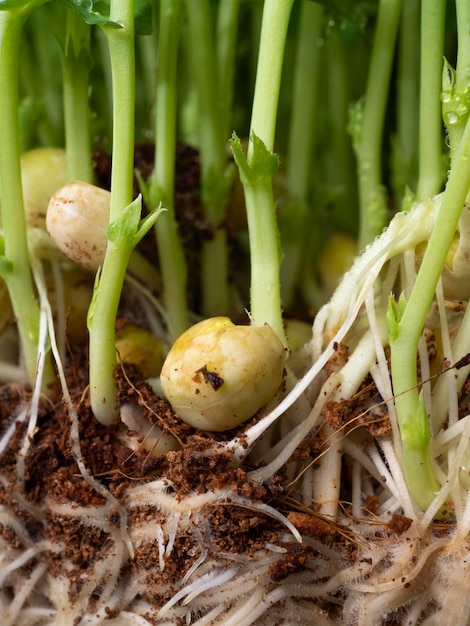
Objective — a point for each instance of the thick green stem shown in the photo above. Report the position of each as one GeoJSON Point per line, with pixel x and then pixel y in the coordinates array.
{"type": "Point", "coordinates": [431, 170]}
{"type": "Point", "coordinates": [404, 340]}
{"type": "Point", "coordinates": [276, 14]}
{"type": "Point", "coordinates": [77, 62]}
{"type": "Point", "coordinates": [18, 278]}
{"type": "Point", "coordinates": [106, 299]}
{"type": "Point", "coordinates": [101, 325]}
{"type": "Point", "coordinates": [372, 198]}
{"type": "Point", "coordinates": [264, 235]}
{"type": "Point", "coordinates": [161, 185]}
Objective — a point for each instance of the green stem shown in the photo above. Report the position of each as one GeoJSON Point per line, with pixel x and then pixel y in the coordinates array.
{"type": "Point", "coordinates": [431, 170]}
{"type": "Point", "coordinates": [265, 253]}
{"type": "Point", "coordinates": [412, 418]}
{"type": "Point", "coordinates": [161, 185]}
{"type": "Point", "coordinates": [293, 216]}
{"type": "Point", "coordinates": [106, 299]}
{"type": "Point", "coordinates": [76, 108]}
{"type": "Point", "coordinates": [373, 205]}
{"type": "Point", "coordinates": [275, 21]}
{"type": "Point", "coordinates": [405, 147]}
{"type": "Point", "coordinates": [262, 226]}
{"type": "Point", "coordinates": [18, 278]}
{"type": "Point", "coordinates": [456, 85]}
{"type": "Point", "coordinates": [215, 183]}
{"type": "Point", "coordinates": [101, 102]}
{"type": "Point", "coordinates": [304, 100]}
{"type": "Point", "coordinates": [462, 81]}
{"type": "Point", "coordinates": [46, 57]}
{"type": "Point", "coordinates": [227, 20]}
{"type": "Point", "coordinates": [340, 174]}
{"type": "Point", "coordinates": [146, 65]}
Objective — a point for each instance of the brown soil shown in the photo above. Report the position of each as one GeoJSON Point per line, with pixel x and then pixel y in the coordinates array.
{"type": "Point", "coordinates": [52, 477]}
{"type": "Point", "coordinates": [52, 486]}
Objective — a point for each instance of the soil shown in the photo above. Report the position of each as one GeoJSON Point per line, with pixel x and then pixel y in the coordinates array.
{"type": "Point", "coordinates": [91, 499]}
{"type": "Point", "coordinates": [235, 530]}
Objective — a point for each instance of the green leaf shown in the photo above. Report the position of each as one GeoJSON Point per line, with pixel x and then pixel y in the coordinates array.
{"type": "Point", "coordinates": [239, 156]}
{"type": "Point", "coordinates": [128, 229]}
{"type": "Point", "coordinates": [122, 231]}
{"type": "Point", "coordinates": [97, 12]}
{"type": "Point", "coordinates": [263, 163]}
{"type": "Point", "coordinates": [415, 431]}
{"type": "Point", "coordinates": [8, 5]}
{"type": "Point", "coordinates": [92, 12]}
{"type": "Point", "coordinates": [395, 311]}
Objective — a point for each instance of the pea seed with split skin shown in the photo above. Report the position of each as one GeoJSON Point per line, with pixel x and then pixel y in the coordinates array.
{"type": "Point", "coordinates": [217, 375]}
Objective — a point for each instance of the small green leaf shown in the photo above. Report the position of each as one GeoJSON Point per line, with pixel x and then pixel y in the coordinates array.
{"type": "Point", "coordinates": [415, 431]}
{"type": "Point", "coordinates": [239, 157]}
{"type": "Point", "coordinates": [401, 306]}
{"type": "Point", "coordinates": [448, 77]}
{"type": "Point", "coordinates": [395, 311]}
{"type": "Point", "coordinates": [263, 162]}
{"type": "Point", "coordinates": [146, 224]}
{"type": "Point", "coordinates": [128, 229]}
{"type": "Point", "coordinates": [122, 230]}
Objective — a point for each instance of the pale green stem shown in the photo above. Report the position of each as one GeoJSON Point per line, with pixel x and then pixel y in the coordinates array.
{"type": "Point", "coordinates": [101, 325]}
{"type": "Point", "coordinates": [161, 185]}
{"type": "Point", "coordinates": [276, 14]}
{"type": "Point", "coordinates": [302, 117]}
{"type": "Point", "coordinates": [412, 419]}
{"type": "Point", "coordinates": [431, 170]}
{"type": "Point", "coordinates": [405, 161]}
{"type": "Point", "coordinates": [293, 216]}
{"type": "Point", "coordinates": [212, 142]}
{"type": "Point", "coordinates": [227, 18]}
{"type": "Point", "coordinates": [76, 95]}
{"type": "Point", "coordinates": [456, 86]}
{"type": "Point", "coordinates": [106, 299]}
{"type": "Point", "coordinates": [462, 79]}
{"type": "Point", "coordinates": [372, 198]}
{"type": "Point", "coordinates": [18, 278]}
{"type": "Point", "coordinates": [264, 235]}
{"type": "Point", "coordinates": [339, 165]}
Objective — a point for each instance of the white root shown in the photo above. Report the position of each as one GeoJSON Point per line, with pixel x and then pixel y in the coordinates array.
{"type": "Point", "coordinates": [391, 574]}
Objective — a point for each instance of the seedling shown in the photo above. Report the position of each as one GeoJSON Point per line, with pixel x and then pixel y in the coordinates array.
{"type": "Point", "coordinates": [258, 446]}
